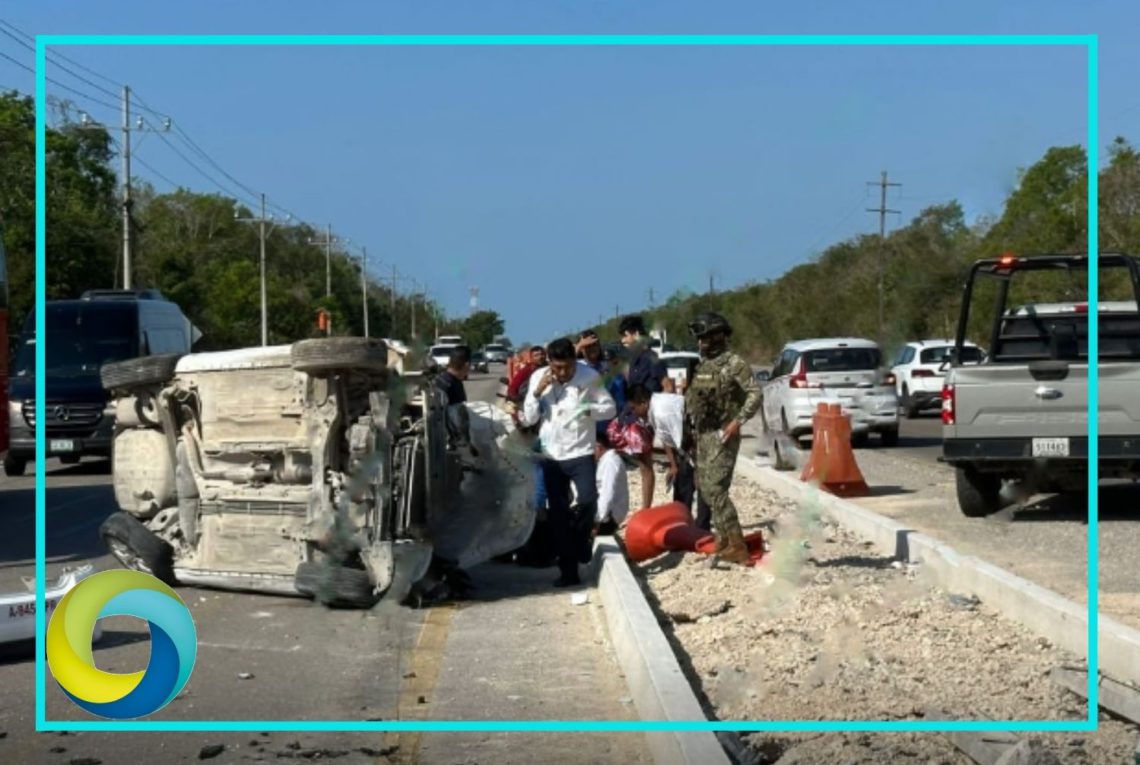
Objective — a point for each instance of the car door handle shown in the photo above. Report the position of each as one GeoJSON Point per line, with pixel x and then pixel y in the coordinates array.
{"type": "Point", "coordinates": [1047, 394]}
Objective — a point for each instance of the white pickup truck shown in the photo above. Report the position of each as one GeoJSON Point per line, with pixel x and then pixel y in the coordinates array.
{"type": "Point", "coordinates": [1022, 414]}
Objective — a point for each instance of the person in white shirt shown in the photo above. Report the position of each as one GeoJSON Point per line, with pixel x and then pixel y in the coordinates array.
{"type": "Point", "coordinates": [566, 400]}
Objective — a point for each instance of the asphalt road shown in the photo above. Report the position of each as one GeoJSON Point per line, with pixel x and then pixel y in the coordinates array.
{"type": "Point", "coordinates": [277, 658]}
{"type": "Point", "coordinates": [921, 437]}
{"type": "Point", "coordinates": [306, 662]}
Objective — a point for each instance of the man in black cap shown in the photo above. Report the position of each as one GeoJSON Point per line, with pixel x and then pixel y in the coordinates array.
{"type": "Point", "coordinates": [722, 396]}
{"type": "Point", "coordinates": [644, 366]}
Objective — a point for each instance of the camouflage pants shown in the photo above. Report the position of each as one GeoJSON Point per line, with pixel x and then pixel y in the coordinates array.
{"type": "Point", "coordinates": [716, 463]}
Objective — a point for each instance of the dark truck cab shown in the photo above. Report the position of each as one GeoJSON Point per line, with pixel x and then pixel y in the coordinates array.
{"type": "Point", "coordinates": [1021, 415]}
{"type": "Point", "coordinates": [82, 335]}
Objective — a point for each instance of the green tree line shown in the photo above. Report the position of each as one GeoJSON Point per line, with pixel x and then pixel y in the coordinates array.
{"type": "Point", "coordinates": [189, 245]}
{"type": "Point", "coordinates": [926, 264]}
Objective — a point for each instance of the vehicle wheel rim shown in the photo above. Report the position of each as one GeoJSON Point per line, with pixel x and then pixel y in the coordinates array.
{"type": "Point", "coordinates": [126, 556]}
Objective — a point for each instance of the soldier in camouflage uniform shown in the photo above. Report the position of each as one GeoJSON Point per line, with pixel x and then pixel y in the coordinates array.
{"type": "Point", "coordinates": [721, 397]}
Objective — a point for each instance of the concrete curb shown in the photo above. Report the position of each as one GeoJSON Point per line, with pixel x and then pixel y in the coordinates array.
{"type": "Point", "coordinates": [1045, 612]}
{"type": "Point", "coordinates": [659, 688]}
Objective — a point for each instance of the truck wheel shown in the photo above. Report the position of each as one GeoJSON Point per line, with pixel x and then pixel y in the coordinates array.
{"type": "Point", "coordinates": [140, 372]}
{"type": "Point", "coordinates": [333, 354]}
{"type": "Point", "coordinates": [137, 547]}
{"type": "Point", "coordinates": [979, 494]}
{"type": "Point", "coordinates": [335, 586]}
{"type": "Point", "coordinates": [890, 437]}
{"type": "Point", "coordinates": [14, 466]}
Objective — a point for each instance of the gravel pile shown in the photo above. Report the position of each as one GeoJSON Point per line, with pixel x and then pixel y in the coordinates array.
{"type": "Point", "coordinates": [827, 628]}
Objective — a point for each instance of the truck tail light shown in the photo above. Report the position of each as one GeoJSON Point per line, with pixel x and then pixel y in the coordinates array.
{"type": "Point", "coordinates": [947, 404]}
{"type": "Point", "coordinates": [921, 373]}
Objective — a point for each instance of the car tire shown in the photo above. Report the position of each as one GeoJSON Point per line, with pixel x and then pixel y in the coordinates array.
{"type": "Point", "coordinates": [909, 408]}
{"type": "Point", "coordinates": [335, 354]}
{"type": "Point", "coordinates": [14, 467]}
{"type": "Point", "coordinates": [780, 459]}
{"type": "Point", "coordinates": [890, 437]}
{"type": "Point", "coordinates": [137, 547]}
{"type": "Point", "coordinates": [139, 373]}
{"type": "Point", "coordinates": [860, 440]}
{"type": "Point", "coordinates": [979, 494]}
{"type": "Point", "coordinates": [335, 586]}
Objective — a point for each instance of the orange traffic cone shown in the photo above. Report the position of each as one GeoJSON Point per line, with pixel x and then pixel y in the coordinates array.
{"type": "Point", "coordinates": [832, 461]}
{"type": "Point", "coordinates": [655, 530]}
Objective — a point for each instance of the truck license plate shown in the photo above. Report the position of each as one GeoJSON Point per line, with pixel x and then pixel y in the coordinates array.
{"type": "Point", "coordinates": [1050, 447]}
{"type": "Point", "coordinates": [61, 445]}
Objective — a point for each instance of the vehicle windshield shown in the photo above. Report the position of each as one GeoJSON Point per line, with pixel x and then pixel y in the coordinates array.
{"type": "Point", "coordinates": [841, 360]}
{"type": "Point", "coordinates": [970, 355]}
{"type": "Point", "coordinates": [81, 339]}
{"type": "Point", "coordinates": [680, 362]}
{"type": "Point", "coordinates": [495, 348]}
{"type": "Point", "coordinates": [441, 350]}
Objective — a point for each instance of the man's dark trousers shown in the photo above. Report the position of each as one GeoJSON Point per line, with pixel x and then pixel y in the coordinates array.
{"type": "Point", "coordinates": [571, 530]}
{"type": "Point", "coordinates": [685, 488]}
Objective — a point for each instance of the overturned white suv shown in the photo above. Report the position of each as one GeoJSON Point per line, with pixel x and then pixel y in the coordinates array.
{"type": "Point", "coordinates": [308, 469]}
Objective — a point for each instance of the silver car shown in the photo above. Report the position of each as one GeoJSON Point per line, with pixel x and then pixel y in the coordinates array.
{"type": "Point", "coordinates": [841, 370]}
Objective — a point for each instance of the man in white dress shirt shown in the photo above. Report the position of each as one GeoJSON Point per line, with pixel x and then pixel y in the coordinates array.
{"type": "Point", "coordinates": [567, 400]}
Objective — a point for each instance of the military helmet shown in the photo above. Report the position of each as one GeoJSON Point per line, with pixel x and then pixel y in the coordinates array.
{"type": "Point", "coordinates": [708, 323]}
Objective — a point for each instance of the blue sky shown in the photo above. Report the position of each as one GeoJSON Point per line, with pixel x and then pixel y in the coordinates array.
{"type": "Point", "coordinates": [567, 182]}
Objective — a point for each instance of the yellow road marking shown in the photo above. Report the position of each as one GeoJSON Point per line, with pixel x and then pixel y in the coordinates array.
{"type": "Point", "coordinates": [418, 684]}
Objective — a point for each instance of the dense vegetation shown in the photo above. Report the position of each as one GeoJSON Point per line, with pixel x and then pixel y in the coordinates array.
{"type": "Point", "coordinates": [188, 245]}
{"type": "Point", "coordinates": [927, 260]}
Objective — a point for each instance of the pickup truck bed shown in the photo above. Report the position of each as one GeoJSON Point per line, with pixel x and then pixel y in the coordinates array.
{"type": "Point", "coordinates": [1022, 415]}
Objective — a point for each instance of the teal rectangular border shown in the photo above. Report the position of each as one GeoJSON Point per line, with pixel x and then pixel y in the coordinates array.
{"type": "Point", "coordinates": [1090, 42]}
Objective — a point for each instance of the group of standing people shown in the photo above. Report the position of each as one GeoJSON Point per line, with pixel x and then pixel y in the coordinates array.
{"type": "Point", "coordinates": [591, 413]}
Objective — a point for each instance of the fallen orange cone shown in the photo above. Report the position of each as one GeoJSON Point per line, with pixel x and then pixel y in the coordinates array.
{"type": "Point", "coordinates": [666, 528]}
{"type": "Point", "coordinates": [832, 461]}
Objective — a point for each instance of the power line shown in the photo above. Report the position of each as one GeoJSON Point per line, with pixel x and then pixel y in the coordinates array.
{"type": "Point", "coordinates": [51, 56]}
{"type": "Point", "coordinates": [79, 77]}
{"type": "Point", "coordinates": [7, 29]}
{"type": "Point", "coordinates": [202, 172]}
{"type": "Point", "coordinates": [193, 146]}
{"type": "Point", "coordinates": [57, 83]}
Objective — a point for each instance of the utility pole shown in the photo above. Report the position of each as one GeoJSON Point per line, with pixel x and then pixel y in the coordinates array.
{"type": "Point", "coordinates": [327, 243]}
{"type": "Point", "coordinates": [86, 123]}
{"type": "Point", "coordinates": [364, 285]}
{"type": "Point", "coordinates": [127, 202]}
{"type": "Point", "coordinates": [652, 303]}
{"type": "Point", "coordinates": [882, 210]}
{"type": "Point", "coordinates": [263, 233]}
{"type": "Point", "coordinates": [414, 296]}
{"type": "Point", "coordinates": [392, 301]}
